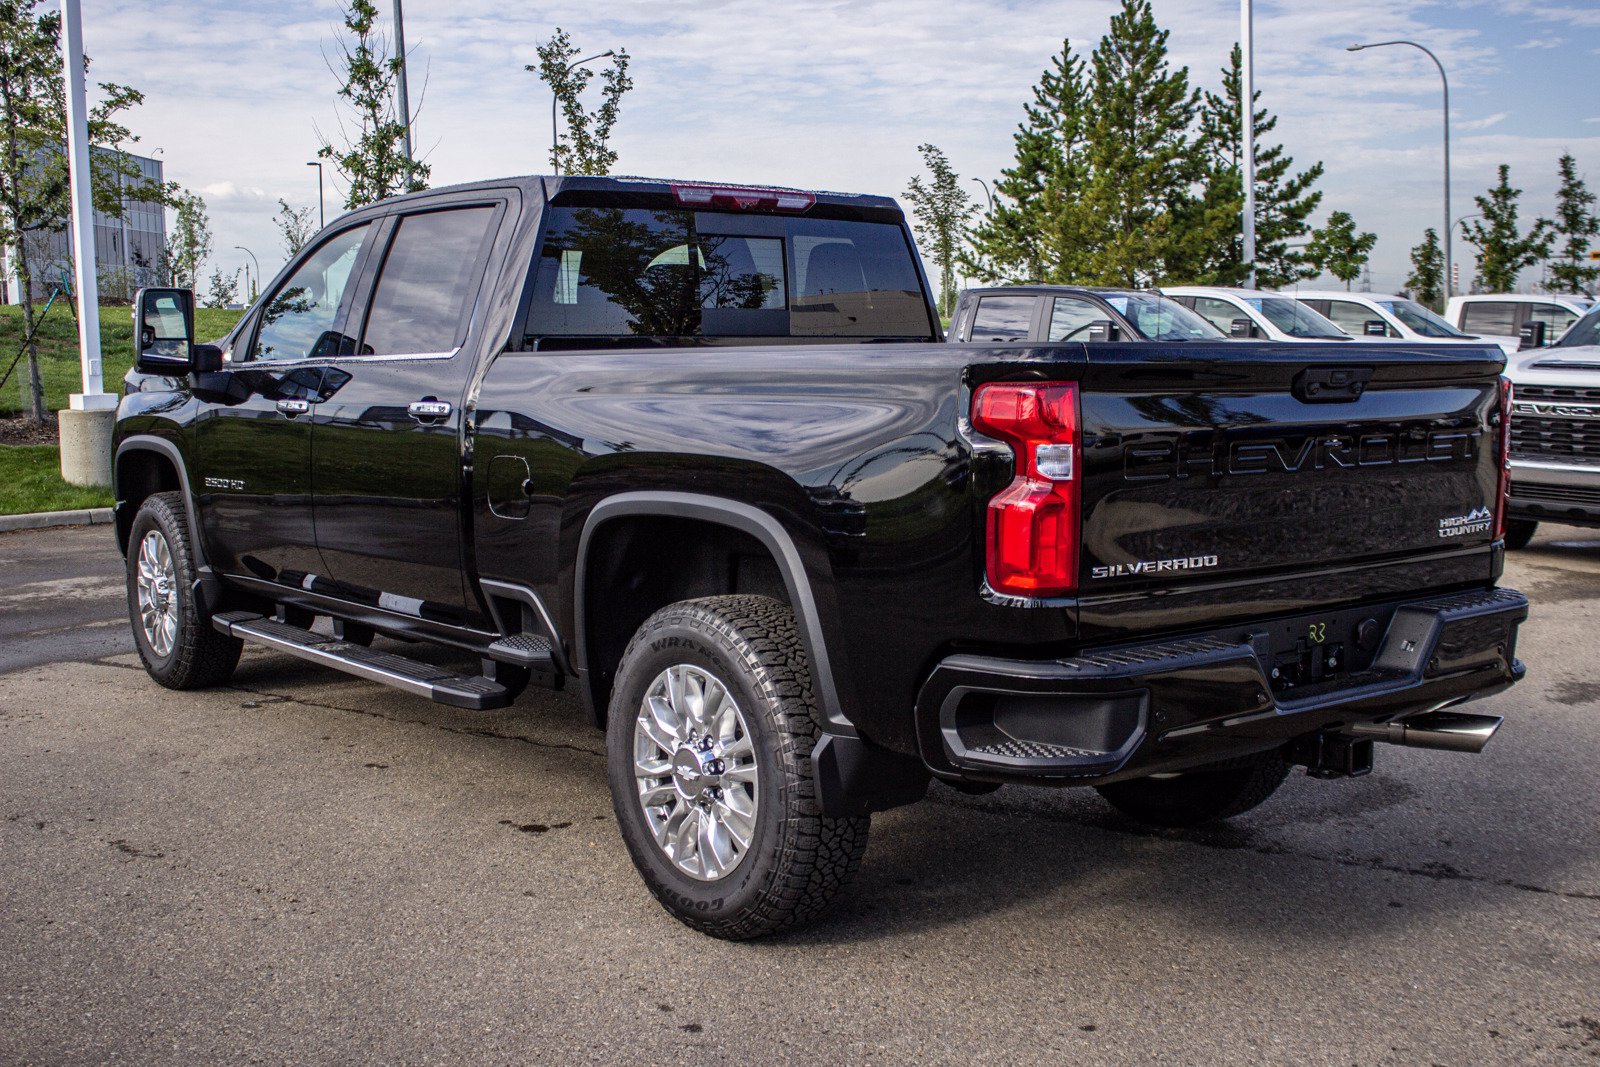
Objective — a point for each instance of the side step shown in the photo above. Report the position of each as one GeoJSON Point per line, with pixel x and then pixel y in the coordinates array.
{"type": "Point", "coordinates": [424, 679]}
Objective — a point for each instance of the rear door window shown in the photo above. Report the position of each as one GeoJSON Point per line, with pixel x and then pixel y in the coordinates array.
{"type": "Point", "coordinates": [1219, 313]}
{"type": "Point", "coordinates": [1003, 318]}
{"type": "Point", "coordinates": [1352, 317]}
{"type": "Point", "coordinates": [428, 282]}
{"type": "Point", "coordinates": [1556, 319]}
{"type": "Point", "coordinates": [1490, 316]}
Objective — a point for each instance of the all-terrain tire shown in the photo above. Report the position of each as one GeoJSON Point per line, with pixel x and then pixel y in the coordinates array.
{"type": "Point", "coordinates": [1519, 532]}
{"type": "Point", "coordinates": [181, 651]}
{"type": "Point", "coordinates": [796, 860]}
{"type": "Point", "coordinates": [1201, 796]}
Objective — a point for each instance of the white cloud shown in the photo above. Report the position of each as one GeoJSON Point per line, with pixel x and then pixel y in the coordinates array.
{"type": "Point", "coordinates": [1542, 42]}
{"type": "Point", "coordinates": [1483, 123]}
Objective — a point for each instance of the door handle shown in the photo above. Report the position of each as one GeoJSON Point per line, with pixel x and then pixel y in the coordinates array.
{"type": "Point", "coordinates": [292, 408]}
{"type": "Point", "coordinates": [429, 410]}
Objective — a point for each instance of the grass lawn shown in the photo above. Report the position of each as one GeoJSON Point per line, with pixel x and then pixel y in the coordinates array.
{"type": "Point", "coordinates": [58, 350]}
{"type": "Point", "coordinates": [30, 480]}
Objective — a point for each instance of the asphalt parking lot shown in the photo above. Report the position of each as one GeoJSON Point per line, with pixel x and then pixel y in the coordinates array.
{"type": "Point", "coordinates": [304, 867]}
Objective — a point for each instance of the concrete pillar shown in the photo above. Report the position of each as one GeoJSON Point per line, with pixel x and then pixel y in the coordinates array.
{"type": "Point", "coordinates": [86, 445]}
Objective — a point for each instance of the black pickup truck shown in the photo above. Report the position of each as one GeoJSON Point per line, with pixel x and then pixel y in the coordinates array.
{"type": "Point", "coordinates": [700, 453]}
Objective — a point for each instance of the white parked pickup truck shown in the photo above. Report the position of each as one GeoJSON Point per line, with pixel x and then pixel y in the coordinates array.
{"type": "Point", "coordinates": [1505, 314]}
{"type": "Point", "coordinates": [1257, 313]}
{"type": "Point", "coordinates": [1375, 315]}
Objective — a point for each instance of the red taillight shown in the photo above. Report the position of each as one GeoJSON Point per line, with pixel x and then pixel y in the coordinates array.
{"type": "Point", "coordinates": [1503, 497]}
{"type": "Point", "coordinates": [1033, 522]}
{"type": "Point", "coordinates": [744, 198]}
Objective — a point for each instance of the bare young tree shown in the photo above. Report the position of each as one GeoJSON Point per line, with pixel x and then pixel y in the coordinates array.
{"type": "Point", "coordinates": [373, 160]}
{"type": "Point", "coordinates": [295, 226]}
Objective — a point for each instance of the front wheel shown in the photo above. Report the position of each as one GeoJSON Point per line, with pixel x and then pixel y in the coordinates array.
{"type": "Point", "coordinates": [176, 642]}
{"type": "Point", "coordinates": [1203, 795]}
{"type": "Point", "coordinates": [709, 739]}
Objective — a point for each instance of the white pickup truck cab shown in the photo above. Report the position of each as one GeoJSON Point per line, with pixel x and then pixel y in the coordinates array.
{"type": "Point", "coordinates": [1505, 314]}
{"type": "Point", "coordinates": [1257, 313]}
{"type": "Point", "coordinates": [1371, 315]}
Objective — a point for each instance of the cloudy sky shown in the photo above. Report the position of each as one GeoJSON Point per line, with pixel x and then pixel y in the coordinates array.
{"type": "Point", "coordinates": [837, 94]}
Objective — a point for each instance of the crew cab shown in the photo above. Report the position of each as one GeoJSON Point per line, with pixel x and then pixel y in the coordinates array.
{"type": "Point", "coordinates": [1074, 313]}
{"type": "Point", "coordinates": [1389, 315]}
{"type": "Point", "coordinates": [699, 454]}
{"type": "Point", "coordinates": [1508, 314]}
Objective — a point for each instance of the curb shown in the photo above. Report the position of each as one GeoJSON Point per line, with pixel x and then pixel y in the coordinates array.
{"type": "Point", "coordinates": [41, 519]}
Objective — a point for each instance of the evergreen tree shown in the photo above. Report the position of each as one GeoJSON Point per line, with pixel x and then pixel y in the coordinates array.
{"type": "Point", "coordinates": [941, 209]}
{"type": "Point", "coordinates": [1285, 200]}
{"type": "Point", "coordinates": [1034, 234]}
{"type": "Point", "coordinates": [1142, 169]}
{"type": "Point", "coordinates": [1576, 226]}
{"type": "Point", "coordinates": [1426, 280]}
{"type": "Point", "coordinates": [374, 160]}
{"type": "Point", "coordinates": [585, 146]}
{"type": "Point", "coordinates": [1503, 249]}
{"type": "Point", "coordinates": [1338, 249]}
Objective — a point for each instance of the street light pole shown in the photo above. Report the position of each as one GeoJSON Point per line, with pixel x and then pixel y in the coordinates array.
{"type": "Point", "coordinates": [257, 262]}
{"type": "Point", "coordinates": [322, 217]}
{"type": "Point", "coordinates": [1247, 123]}
{"type": "Point", "coordinates": [986, 193]}
{"type": "Point", "coordinates": [400, 83]}
{"type": "Point", "coordinates": [1448, 287]}
{"type": "Point", "coordinates": [555, 140]}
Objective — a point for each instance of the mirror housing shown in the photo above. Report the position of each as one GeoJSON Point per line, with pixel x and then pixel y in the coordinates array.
{"type": "Point", "coordinates": [163, 331]}
{"type": "Point", "coordinates": [1243, 327]}
{"type": "Point", "coordinates": [1531, 335]}
{"type": "Point", "coordinates": [1375, 328]}
{"type": "Point", "coordinates": [1104, 330]}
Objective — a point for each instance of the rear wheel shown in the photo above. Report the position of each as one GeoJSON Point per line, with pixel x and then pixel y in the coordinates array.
{"type": "Point", "coordinates": [1519, 532]}
{"type": "Point", "coordinates": [175, 641]}
{"type": "Point", "coordinates": [1203, 795]}
{"type": "Point", "coordinates": [709, 741]}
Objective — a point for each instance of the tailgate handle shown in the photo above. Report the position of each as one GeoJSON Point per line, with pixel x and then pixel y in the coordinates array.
{"type": "Point", "coordinates": [1331, 385]}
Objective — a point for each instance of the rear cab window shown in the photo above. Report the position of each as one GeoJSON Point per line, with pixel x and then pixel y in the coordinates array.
{"type": "Point", "coordinates": [654, 275]}
{"type": "Point", "coordinates": [1489, 316]}
{"type": "Point", "coordinates": [428, 282]}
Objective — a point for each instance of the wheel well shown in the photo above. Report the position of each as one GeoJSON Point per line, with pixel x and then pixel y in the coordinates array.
{"type": "Point", "coordinates": [140, 473]}
{"type": "Point", "coordinates": [637, 565]}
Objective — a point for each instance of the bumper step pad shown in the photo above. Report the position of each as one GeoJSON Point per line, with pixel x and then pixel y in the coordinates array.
{"type": "Point", "coordinates": [438, 684]}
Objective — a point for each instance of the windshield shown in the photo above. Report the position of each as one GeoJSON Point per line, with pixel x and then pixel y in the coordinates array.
{"type": "Point", "coordinates": [1586, 331]}
{"type": "Point", "coordinates": [1160, 319]}
{"type": "Point", "coordinates": [1295, 319]}
{"type": "Point", "coordinates": [1420, 318]}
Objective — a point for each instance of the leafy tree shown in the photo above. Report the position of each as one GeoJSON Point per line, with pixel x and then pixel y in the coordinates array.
{"type": "Point", "coordinates": [1285, 199]}
{"type": "Point", "coordinates": [1142, 166]}
{"type": "Point", "coordinates": [585, 147]}
{"type": "Point", "coordinates": [1034, 232]}
{"type": "Point", "coordinates": [294, 226]}
{"type": "Point", "coordinates": [373, 161]}
{"type": "Point", "coordinates": [1503, 249]}
{"type": "Point", "coordinates": [1426, 280]}
{"type": "Point", "coordinates": [224, 289]}
{"type": "Point", "coordinates": [941, 209]}
{"type": "Point", "coordinates": [1576, 226]}
{"type": "Point", "coordinates": [35, 198]}
{"type": "Point", "coordinates": [189, 243]}
{"type": "Point", "coordinates": [1338, 249]}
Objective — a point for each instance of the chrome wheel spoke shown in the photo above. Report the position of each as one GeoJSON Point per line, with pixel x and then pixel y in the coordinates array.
{"type": "Point", "coordinates": [657, 796]}
{"type": "Point", "coordinates": [740, 748]}
{"type": "Point", "coordinates": [652, 768]}
{"type": "Point", "coordinates": [740, 826]}
{"type": "Point", "coordinates": [706, 845]}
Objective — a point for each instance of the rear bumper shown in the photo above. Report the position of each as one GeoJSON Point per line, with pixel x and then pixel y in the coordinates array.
{"type": "Point", "coordinates": [1131, 711]}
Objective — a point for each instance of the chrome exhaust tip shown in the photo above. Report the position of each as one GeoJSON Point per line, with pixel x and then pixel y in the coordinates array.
{"type": "Point", "coordinates": [1449, 731]}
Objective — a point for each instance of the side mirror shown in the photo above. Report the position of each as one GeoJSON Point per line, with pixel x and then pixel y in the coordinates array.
{"type": "Point", "coordinates": [1104, 330]}
{"type": "Point", "coordinates": [1375, 328]}
{"type": "Point", "coordinates": [1243, 328]}
{"type": "Point", "coordinates": [163, 326]}
{"type": "Point", "coordinates": [1531, 335]}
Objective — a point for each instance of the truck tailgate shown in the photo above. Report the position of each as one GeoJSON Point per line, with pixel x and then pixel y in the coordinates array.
{"type": "Point", "coordinates": [1268, 460]}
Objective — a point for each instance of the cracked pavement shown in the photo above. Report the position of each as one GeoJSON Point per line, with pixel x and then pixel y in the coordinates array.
{"type": "Point", "coordinates": [306, 867]}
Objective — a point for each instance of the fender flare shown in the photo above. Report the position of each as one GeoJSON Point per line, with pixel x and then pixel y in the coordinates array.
{"type": "Point", "coordinates": [207, 587]}
{"type": "Point", "coordinates": [746, 519]}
